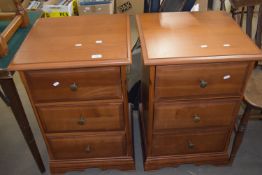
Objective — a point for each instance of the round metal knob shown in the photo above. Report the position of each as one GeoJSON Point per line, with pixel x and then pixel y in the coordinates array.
{"type": "Point", "coordinates": [82, 120]}
{"type": "Point", "coordinates": [191, 145]}
{"type": "Point", "coordinates": [196, 118]}
{"type": "Point", "coordinates": [73, 87]}
{"type": "Point", "coordinates": [203, 84]}
{"type": "Point", "coordinates": [88, 149]}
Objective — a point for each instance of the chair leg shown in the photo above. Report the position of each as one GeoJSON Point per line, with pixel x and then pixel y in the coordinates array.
{"type": "Point", "coordinates": [240, 131]}
{"type": "Point", "coordinates": [259, 28]}
{"type": "Point", "coordinates": [241, 19]}
{"type": "Point", "coordinates": [233, 11]}
{"type": "Point", "coordinates": [4, 98]}
{"type": "Point", "coordinates": [237, 15]}
{"type": "Point", "coordinates": [222, 5]}
{"type": "Point", "coordinates": [250, 11]}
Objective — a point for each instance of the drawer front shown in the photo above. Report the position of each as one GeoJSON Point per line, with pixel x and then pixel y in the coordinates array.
{"type": "Point", "coordinates": [194, 114]}
{"type": "Point", "coordinates": [87, 146]}
{"type": "Point", "coordinates": [82, 117]}
{"type": "Point", "coordinates": [200, 80]}
{"type": "Point", "coordinates": [75, 84]}
{"type": "Point", "coordinates": [175, 144]}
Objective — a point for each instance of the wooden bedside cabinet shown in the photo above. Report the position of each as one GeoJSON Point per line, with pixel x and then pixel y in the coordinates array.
{"type": "Point", "coordinates": [196, 66]}
{"type": "Point", "coordinates": [74, 71]}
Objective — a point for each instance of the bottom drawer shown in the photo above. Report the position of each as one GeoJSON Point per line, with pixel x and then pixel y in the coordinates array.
{"type": "Point", "coordinates": [87, 146]}
{"type": "Point", "coordinates": [189, 143]}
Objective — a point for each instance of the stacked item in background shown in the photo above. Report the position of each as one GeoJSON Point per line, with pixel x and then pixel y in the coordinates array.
{"type": "Point", "coordinates": [87, 7]}
{"type": "Point", "coordinates": [34, 5]}
{"type": "Point", "coordinates": [131, 7]}
{"type": "Point", "coordinates": [59, 8]}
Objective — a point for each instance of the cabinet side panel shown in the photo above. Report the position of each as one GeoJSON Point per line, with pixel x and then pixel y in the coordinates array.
{"type": "Point", "coordinates": [147, 95]}
{"type": "Point", "coordinates": [126, 113]}
{"type": "Point", "coordinates": [143, 106]}
{"type": "Point", "coordinates": [24, 80]}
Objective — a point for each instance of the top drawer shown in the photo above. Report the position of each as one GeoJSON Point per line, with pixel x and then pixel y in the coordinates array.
{"type": "Point", "coordinates": [74, 84]}
{"type": "Point", "coordinates": [219, 79]}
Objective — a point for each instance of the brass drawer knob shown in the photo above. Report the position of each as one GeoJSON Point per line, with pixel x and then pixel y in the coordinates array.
{"type": "Point", "coordinates": [73, 86]}
{"type": "Point", "coordinates": [191, 145]}
{"type": "Point", "coordinates": [82, 120]}
{"type": "Point", "coordinates": [203, 84]}
{"type": "Point", "coordinates": [196, 118]}
{"type": "Point", "coordinates": [88, 149]}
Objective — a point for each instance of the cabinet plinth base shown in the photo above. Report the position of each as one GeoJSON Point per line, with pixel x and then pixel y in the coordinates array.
{"type": "Point", "coordinates": [157, 162]}
{"type": "Point", "coordinates": [62, 166]}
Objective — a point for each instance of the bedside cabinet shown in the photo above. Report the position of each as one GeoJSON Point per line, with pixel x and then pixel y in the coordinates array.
{"type": "Point", "coordinates": [196, 66]}
{"type": "Point", "coordinates": [74, 71]}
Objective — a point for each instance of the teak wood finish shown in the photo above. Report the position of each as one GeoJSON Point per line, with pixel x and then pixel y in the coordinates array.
{"type": "Point", "coordinates": [80, 101]}
{"type": "Point", "coordinates": [193, 114]}
{"type": "Point", "coordinates": [87, 146]}
{"type": "Point", "coordinates": [87, 84]}
{"type": "Point", "coordinates": [196, 66]}
{"type": "Point", "coordinates": [181, 81]}
{"type": "Point", "coordinates": [56, 46]}
{"type": "Point", "coordinates": [81, 116]}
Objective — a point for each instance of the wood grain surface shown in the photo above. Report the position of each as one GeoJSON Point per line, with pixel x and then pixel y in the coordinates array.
{"type": "Point", "coordinates": [177, 38]}
{"type": "Point", "coordinates": [179, 144]}
{"type": "Point", "coordinates": [74, 71]}
{"type": "Point", "coordinates": [92, 145]}
{"type": "Point", "coordinates": [79, 41]}
{"type": "Point", "coordinates": [56, 85]}
{"type": "Point", "coordinates": [196, 66]}
{"type": "Point", "coordinates": [225, 79]}
{"type": "Point", "coordinates": [88, 116]}
{"type": "Point", "coordinates": [195, 114]}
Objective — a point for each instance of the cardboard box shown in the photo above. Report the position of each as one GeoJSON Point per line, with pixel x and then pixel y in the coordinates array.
{"type": "Point", "coordinates": [101, 7]}
{"type": "Point", "coordinates": [131, 7]}
{"type": "Point", "coordinates": [59, 8]}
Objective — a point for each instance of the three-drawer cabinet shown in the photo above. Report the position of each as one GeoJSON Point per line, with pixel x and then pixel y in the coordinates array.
{"type": "Point", "coordinates": [195, 69]}
{"type": "Point", "coordinates": [74, 71]}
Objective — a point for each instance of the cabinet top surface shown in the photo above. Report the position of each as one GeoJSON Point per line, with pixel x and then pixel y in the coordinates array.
{"type": "Point", "coordinates": [185, 37]}
{"type": "Point", "coordinates": [70, 42]}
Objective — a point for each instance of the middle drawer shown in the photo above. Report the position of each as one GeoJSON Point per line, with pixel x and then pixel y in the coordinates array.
{"type": "Point", "coordinates": [194, 114]}
{"type": "Point", "coordinates": [81, 116]}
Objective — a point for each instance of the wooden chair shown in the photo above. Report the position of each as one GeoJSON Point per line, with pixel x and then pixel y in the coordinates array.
{"type": "Point", "coordinates": [19, 18]}
{"type": "Point", "coordinates": [247, 7]}
{"type": "Point", "coordinates": [15, 13]}
{"type": "Point", "coordinates": [253, 92]}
